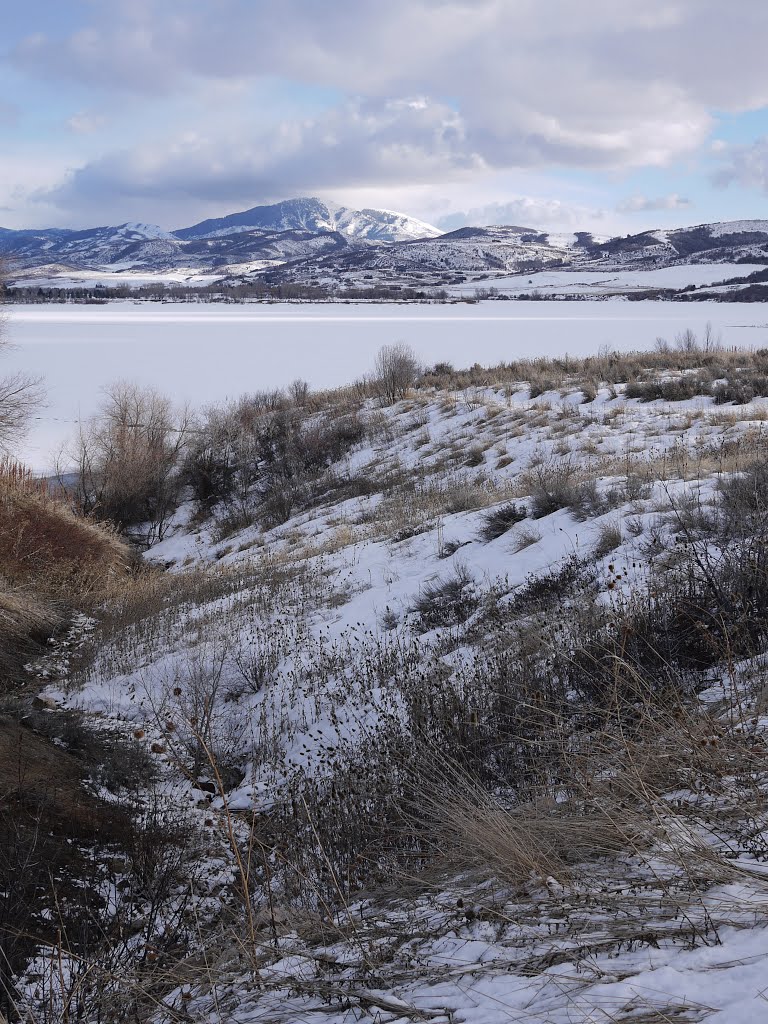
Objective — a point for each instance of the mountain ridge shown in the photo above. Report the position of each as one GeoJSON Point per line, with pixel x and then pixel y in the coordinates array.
{"type": "Point", "coordinates": [307, 239]}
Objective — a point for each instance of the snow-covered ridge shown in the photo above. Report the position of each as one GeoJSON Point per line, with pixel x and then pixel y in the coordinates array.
{"type": "Point", "coordinates": [733, 227]}
{"type": "Point", "coordinates": [134, 231]}
{"type": "Point", "coordinates": [336, 244]}
{"type": "Point", "coordinates": [318, 216]}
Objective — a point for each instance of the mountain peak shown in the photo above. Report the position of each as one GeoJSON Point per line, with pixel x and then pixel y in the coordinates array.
{"type": "Point", "coordinates": [307, 213]}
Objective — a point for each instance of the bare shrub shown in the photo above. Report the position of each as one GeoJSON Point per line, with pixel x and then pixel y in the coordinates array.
{"type": "Point", "coordinates": [591, 501]}
{"type": "Point", "coordinates": [540, 591]}
{"type": "Point", "coordinates": [519, 843]}
{"type": "Point", "coordinates": [199, 731]}
{"type": "Point", "coordinates": [128, 458]}
{"type": "Point", "coordinates": [446, 602]}
{"type": "Point", "coordinates": [670, 389]}
{"type": "Point", "coordinates": [254, 457]}
{"type": "Point", "coordinates": [747, 493]}
{"type": "Point", "coordinates": [475, 457]}
{"type": "Point", "coordinates": [553, 486]}
{"type": "Point", "coordinates": [396, 371]}
{"type": "Point", "coordinates": [525, 538]}
{"type": "Point", "coordinates": [686, 341]}
{"type": "Point", "coordinates": [740, 387]}
{"type": "Point", "coordinates": [499, 520]}
{"type": "Point", "coordinates": [608, 539]}
{"type": "Point", "coordinates": [21, 394]}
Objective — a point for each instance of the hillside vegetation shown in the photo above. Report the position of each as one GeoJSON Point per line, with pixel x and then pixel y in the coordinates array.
{"type": "Point", "coordinates": [438, 697]}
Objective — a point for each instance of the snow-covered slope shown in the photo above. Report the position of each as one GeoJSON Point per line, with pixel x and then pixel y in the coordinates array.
{"type": "Point", "coordinates": [306, 643]}
{"type": "Point", "coordinates": [721, 242]}
{"type": "Point", "coordinates": [316, 216]}
{"type": "Point", "coordinates": [295, 229]}
{"type": "Point", "coordinates": [465, 251]}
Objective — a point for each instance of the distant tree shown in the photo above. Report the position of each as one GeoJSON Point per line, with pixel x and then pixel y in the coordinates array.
{"type": "Point", "coordinates": [21, 394]}
{"type": "Point", "coordinates": [396, 371]}
{"type": "Point", "coordinates": [686, 341]}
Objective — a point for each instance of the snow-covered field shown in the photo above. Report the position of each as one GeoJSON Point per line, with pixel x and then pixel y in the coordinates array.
{"type": "Point", "coordinates": [38, 278]}
{"type": "Point", "coordinates": [591, 282]}
{"type": "Point", "coordinates": [206, 353]}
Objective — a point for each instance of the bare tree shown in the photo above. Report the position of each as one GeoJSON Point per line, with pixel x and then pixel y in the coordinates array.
{"type": "Point", "coordinates": [686, 341]}
{"type": "Point", "coordinates": [713, 340]}
{"type": "Point", "coordinates": [21, 394]}
{"type": "Point", "coordinates": [128, 458]}
{"type": "Point", "coordinates": [396, 371]}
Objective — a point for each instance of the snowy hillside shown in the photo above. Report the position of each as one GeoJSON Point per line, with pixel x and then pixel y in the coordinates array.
{"type": "Point", "coordinates": [316, 216]}
{"type": "Point", "coordinates": [442, 681]}
{"type": "Point", "coordinates": [470, 251]}
{"type": "Point", "coordinates": [297, 228]}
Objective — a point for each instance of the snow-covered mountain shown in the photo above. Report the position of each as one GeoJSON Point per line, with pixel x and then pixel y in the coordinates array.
{"type": "Point", "coordinates": [293, 230]}
{"type": "Point", "coordinates": [316, 216]}
{"type": "Point", "coordinates": [722, 241]}
{"type": "Point", "coordinates": [465, 251]}
{"type": "Point", "coordinates": [307, 239]}
{"type": "Point", "coordinates": [92, 248]}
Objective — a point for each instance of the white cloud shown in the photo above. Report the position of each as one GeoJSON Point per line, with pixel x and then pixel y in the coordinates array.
{"type": "Point", "coordinates": [420, 89]}
{"type": "Point", "coordinates": [86, 122]}
{"type": "Point", "coordinates": [744, 165]}
{"type": "Point", "coordinates": [526, 211]}
{"type": "Point", "coordinates": [609, 83]}
{"type": "Point", "coordinates": [641, 204]}
{"type": "Point", "coordinates": [362, 143]}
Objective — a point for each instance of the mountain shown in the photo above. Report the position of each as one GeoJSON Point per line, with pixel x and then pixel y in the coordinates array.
{"type": "Point", "coordinates": [93, 248]}
{"type": "Point", "coordinates": [722, 241]}
{"type": "Point", "coordinates": [307, 239]}
{"type": "Point", "coordinates": [470, 250]}
{"type": "Point", "coordinates": [295, 229]}
{"type": "Point", "coordinates": [316, 216]}
{"type": "Point", "coordinates": [480, 253]}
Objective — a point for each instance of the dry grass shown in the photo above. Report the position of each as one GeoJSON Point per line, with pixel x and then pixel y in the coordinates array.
{"type": "Point", "coordinates": [50, 561]}
{"type": "Point", "coordinates": [469, 827]}
{"type": "Point", "coordinates": [48, 549]}
{"type": "Point", "coordinates": [25, 625]}
{"type": "Point", "coordinates": [587, 374]}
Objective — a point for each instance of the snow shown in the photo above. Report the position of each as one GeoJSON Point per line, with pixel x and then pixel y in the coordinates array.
{"type": "Point", "coordinates": [545, 952]}
{"type": "Point", "coordinates": [65, 277]}
{"type": "Point", "coordinates": [133, 230]}
{"type": "Point", "coordinates": [590, 282]}
{"type": "Point", "coordinates": [732, 227]}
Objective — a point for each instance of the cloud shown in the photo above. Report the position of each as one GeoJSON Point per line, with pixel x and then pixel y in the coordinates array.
{"type": "Point", "coordinates": [363, 142]}
{"type": "Point", "coordinates": [525, 212]}
{"type": "Point", "coordinates": [641, 204]}
{"type": "Point", "coordinates": [744, 165]}
{"type": "Point", "coordinates": [605, 84]}
{"type": "Point", "coordinates": [602, 86]}
{"type": "Point", "coordinates": [85, 122]}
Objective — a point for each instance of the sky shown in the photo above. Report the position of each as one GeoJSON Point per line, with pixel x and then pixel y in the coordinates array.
{"type": "Point", "coordinates": [613, 116]}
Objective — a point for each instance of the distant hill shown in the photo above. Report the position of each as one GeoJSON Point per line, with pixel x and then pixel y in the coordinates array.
{"type": "Point", "coordinates": [307, 239]}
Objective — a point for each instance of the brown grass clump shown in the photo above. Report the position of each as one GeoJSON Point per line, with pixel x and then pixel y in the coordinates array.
{"type": "Point", "coordinates": [468, 826]}
{"type": "Point", "coordinates": [50, 560]}
{"type": "Point", "coordinates": [46, 548]}
{"type": "Point", "coordinates": [25, 623]}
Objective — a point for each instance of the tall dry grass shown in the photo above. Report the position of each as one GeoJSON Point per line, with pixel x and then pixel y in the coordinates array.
{"type": "Point", "coordinates": [45, 547]}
